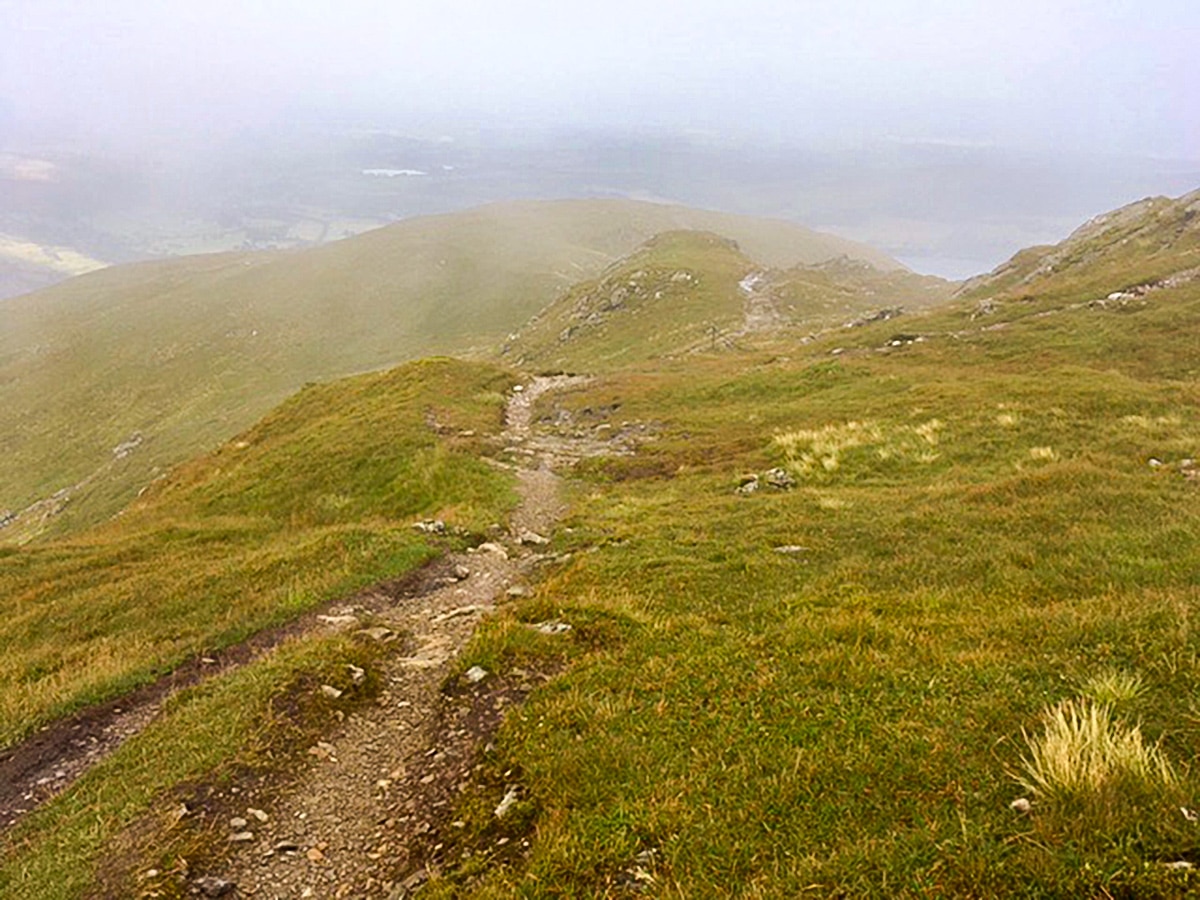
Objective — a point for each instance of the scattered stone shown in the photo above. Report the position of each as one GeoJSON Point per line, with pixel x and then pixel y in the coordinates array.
{"type": "Point", "coordinates": [779, 478]}
{"type": "Point", "coordinates": [507, 803]}
{"type": "Point", "coordinates": [1179, 865]}
{"type": "Point", "coordinates": [532, 537]}
{"type": "Point", "coordinates": [790, 549]}
{"type": "Point", "coordinates": [241, 837]}
{"type": "Point", "coordinates": [430, 526]}
{"type": "Point", "coordinates": [257, 814]}
{"type": "Point", "coordinates": [461, 572]}
{"type": "Point", "coordinates": [322, 750]}
{"type": "Point", "coordinates": [462, 611]}
{"type": "Point", "coordinates": [476, 674]}
{"type": "Point", "coordinates": [338, 620]}
{"type": "Point", "coordinates": [517, 591]}
{"type": "Point", "coordinates": [314, 854]}
{"type": "Point", "coordinates": [986, 308]}
{"type": "Point", "coordinates": [1189, 814]}
{"type": "Point", "coordinates": [215, 887]}
{"type": "Point", "coordinates": [357, 675]}
{"type": "Point", "coordinates": [286, 847]}
{"type": "Point", "coordinates": [551, 627]}
{"type": "Point", "coordinates": [1155, 463]}
{"type": "Point", "coordinates": [493, 548]}
{"type": "Point", "coordinates": [238, 823]}
{"type": "Point", "coordinates": [330, 691]}
{"type": "Point", "coordinates": [379, 634]}
{"type": "Point", "coordinates": [1021, 805]}
{"type": "Point", "coordinates": [518, 388]}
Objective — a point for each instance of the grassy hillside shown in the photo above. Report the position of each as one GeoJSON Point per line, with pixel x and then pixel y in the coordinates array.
{"type": "Point", "coordinates": [983, 525]}
{"type": "Point", "coordinates": [687, 291]}
{"type": "Point", "coordinates": [107, 379]}
{"type": "Point", "coordinates": [315, 500]}
{"type": "Point", "coordinates": [1137, 244]}
{"type": "Point", "coordinates": [898, 608]}
{"type": "Point", "coordinates": [665, 297]}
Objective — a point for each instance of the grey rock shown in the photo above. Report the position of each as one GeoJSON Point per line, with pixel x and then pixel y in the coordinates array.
{"type": "Point", "coordinates": [330, 691]}
{"type": "Point", "coordinates": [238, 823]}
{"type": "Point", "coordinates": [241, 837]}
{"type": "Point", "coordinates": [790, 549]}
{"type": "Point", "coordinates": [532, 537]}
{"type": "Point", "coordinates": [379, 634]}
{"type": "Point", "coordinates": [210, 886]}
{"type": "Point", "coordinates": [461, 572]}
{"type": "Point", "coordinates": [551, 627]}
{"type": "Point", "coordinates": [779, 478]}
{"type": "Point", "coordinates": [476, 674]}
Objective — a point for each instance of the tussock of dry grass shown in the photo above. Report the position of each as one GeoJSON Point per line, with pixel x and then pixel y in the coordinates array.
{"type": "Point", "coordinates": [1084, 753]}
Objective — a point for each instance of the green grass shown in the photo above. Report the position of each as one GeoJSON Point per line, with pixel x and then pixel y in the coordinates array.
{"type": "Point", "coordinates": [312, 503]}
{"type": "Point", "coordinates": [849, 720]}
{"type": "Point", "coordinates": [985, 540]}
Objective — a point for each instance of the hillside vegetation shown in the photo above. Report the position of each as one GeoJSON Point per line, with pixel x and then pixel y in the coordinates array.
{"type": "Point", "coordinates": [108, 379]}
{"type": "Point", "coordinates": [314, 501]}
{"type": "Point", "coordinates": [889, 607]}
{"type": "Point", "coordinates": [839, 688]}
{"type": "Point", "coordinates": [691, 291]}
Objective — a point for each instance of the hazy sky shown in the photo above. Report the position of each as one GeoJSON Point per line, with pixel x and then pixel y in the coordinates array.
{"type": "Point", "coordinates": [1109, 75]}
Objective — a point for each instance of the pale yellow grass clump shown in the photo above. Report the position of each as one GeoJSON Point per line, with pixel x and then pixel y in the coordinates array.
{"type": "Point", "coordinates": [813, 450]}
{"type": "Point", "coordinates": [1083, 753]}
{"type": "Point", "coordinates": [817, 451]}
{"type": "Point", "coordinates": [1047, 454]}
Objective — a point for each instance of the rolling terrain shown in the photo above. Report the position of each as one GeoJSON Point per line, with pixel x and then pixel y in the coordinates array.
{"type": "Point", "coordinates": [840, 590]}
{"type": "Point", "coordinates": [107, 380]}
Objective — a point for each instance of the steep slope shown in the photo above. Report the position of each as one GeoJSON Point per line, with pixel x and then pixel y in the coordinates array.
{"type": "Point", "coordinates": [108, 378]}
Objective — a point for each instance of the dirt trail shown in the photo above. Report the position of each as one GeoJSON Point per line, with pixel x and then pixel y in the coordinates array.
{"type": "Point", "coordinates": [357, 822]}
{"type": "Point", "coordinates": [759, 310]}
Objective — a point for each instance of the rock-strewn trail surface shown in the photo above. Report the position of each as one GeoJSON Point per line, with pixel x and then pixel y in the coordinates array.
{"type": "Point", "coordinates": [361, 816]}
{"type": "Point", "coordinates": [359, 822]}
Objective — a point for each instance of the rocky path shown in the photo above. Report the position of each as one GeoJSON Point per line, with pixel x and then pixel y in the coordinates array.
{"type": "Point", "coordinates": [759, 310]}
{"type": "Point", "coordinates": [356, 823]}
{"type": "Point", "coordinates": [361, 822]}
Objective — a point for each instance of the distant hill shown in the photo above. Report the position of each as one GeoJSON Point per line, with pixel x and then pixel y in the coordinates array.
{"type": "Point", "coordinates": [688, 291]}
{"type": "Point", "coordinates": [108, 378]}
{"type": "Point", "coordinates": [1136, 244]}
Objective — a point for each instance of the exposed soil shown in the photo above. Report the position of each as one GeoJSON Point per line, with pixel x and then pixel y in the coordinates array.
{"type": "Point", "coordinates": [361, 820]}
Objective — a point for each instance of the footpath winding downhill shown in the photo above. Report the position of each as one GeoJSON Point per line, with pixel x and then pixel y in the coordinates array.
{"type": "Point", "coordinates": [359, 821]}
